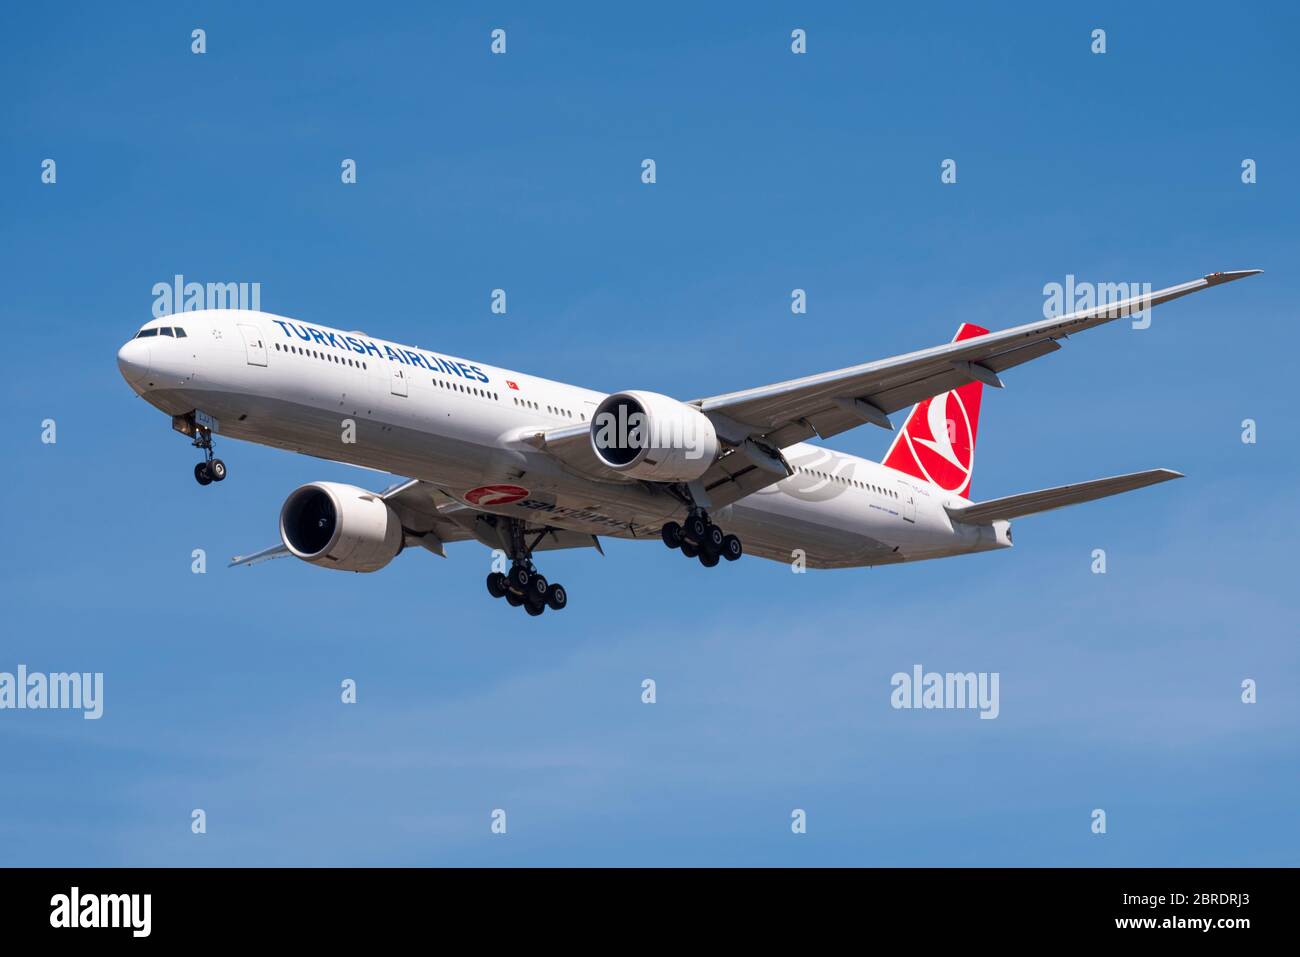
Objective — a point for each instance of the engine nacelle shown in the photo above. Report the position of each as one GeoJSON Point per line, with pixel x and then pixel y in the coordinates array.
{"type": "Point", "coordinates": [653, 437]}
{"type": "Point", "coordinates": [340, 526]}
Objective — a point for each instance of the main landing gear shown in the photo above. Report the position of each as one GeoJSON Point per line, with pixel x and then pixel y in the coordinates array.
{"type": "Point", "coordinates": [700, 538]}
{"type": "Point", "coordinates": [210, 469]}
{"type": "Point", "coordinates": [524, 586]}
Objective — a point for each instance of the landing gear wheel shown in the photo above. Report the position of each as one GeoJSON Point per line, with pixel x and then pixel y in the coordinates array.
{"type": "Point", "coordinates": [519, 579]}
{"type": "Point", "coordinates": [557, 597]}
{"type": "Point", "coordinates": [689, 550]}
{"type": "Point", "coordinates": [708, 558]}
{"type": "Point", "coordinates": [513, 599]}
{"type": "Point", "coordinates": [534, 609]}
{"type": "Point", "coordinates": [696, 528]}
{"type": "Point", "coordinates": [217, 469]}
{"type": "Point", "coordinates": [496, 585]}
{"type": "Point", "coordinates": [713, 537]}
{"type": "Point", "coordinates": [672, 535]}
{"type": "Point", "coordinates": [537, 590]}
{"type": "Point", "coordinates": [731, 548]}
{"type": "Point", "coordinates": [202, 475]}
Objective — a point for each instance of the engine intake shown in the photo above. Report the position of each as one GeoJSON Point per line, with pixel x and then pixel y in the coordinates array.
{"type": "Point", "coordinates": [653, 437]}
{"type": "Point", "coordinates": [340, 526]}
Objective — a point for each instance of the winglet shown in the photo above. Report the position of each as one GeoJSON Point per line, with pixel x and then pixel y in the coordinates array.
{"type": "Point", "coordinates": [1231, 275]}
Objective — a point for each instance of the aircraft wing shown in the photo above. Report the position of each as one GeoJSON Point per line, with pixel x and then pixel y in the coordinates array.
{"type": "Point", "coordinates": [265, 555]}
{"type": "Point", "coordinates": [832, 402]}
{"type": "Point", "coordinates": [431, 519]}
{"type": "Point", "coordinates": [427, 511]}
{"type": "Point", "coordinates": [755, 424]}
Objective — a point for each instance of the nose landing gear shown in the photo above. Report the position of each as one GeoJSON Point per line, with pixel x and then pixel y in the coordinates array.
{"type": "Point", "coordinates": [210, 469]}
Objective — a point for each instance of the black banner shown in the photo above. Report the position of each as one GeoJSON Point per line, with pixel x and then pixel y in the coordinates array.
{"type": "Point", "coordinates": [333, 906]}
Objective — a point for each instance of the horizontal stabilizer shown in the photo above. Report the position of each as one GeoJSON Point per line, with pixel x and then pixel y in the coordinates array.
{"type": "Point", "coordinates": [1031, 503]}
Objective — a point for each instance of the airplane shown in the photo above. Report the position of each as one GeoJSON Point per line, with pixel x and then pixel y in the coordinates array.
{"type": "Point", "coordinates": [524, 464]}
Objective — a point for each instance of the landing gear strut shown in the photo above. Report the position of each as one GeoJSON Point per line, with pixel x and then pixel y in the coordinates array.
{"type": "Point", "coordinates": [699, 538]}
{"type": "Point", "coordinates": [523, 585]}
{"type": "Point", "coordinates": [210, 469]}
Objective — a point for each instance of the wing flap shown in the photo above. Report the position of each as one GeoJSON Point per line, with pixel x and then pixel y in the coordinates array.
{"type": "Point", "coordinates": [1031, 503]}
{"type": "Point", "coordinates": [733, 477]}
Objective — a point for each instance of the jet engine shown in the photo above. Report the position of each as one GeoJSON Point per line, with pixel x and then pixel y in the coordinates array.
{"type": "Point", "coordinates": [340, 526]}
{"type": "Point", "coordinates": [653, 437]}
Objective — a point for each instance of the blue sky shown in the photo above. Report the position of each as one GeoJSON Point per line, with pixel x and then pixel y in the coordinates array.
{"type": "Point", "coordinates": [775, 171]}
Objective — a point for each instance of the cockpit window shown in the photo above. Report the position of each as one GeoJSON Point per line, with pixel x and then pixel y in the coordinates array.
{"type": "Point", "coordinates": [180, 333]}
{"type": "Point", "coordinates": [165, 331]}
{"type": "Point", "coordinates": [146, 333]}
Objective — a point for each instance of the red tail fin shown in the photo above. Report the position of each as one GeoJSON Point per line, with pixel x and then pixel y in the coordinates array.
{"type": "Point", "coordinates": [937, 443]}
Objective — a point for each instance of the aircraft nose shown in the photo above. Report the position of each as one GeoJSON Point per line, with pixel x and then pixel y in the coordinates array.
{"type": "Point", "coordinates": [133, 360]}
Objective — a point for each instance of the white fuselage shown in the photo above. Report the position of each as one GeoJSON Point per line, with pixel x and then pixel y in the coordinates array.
{"type": "Point", "coordinates": [459, 425]}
